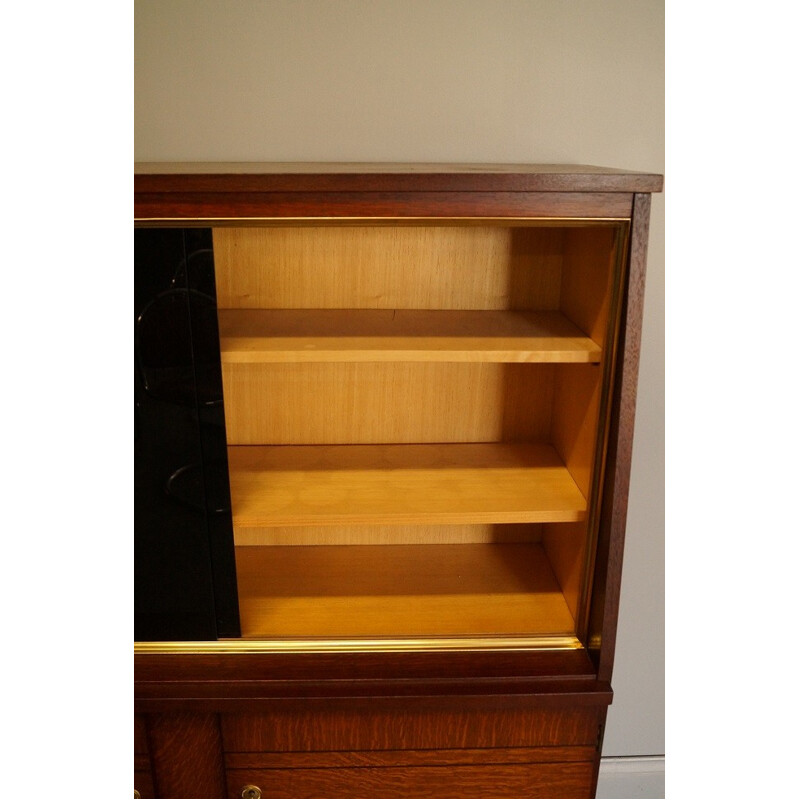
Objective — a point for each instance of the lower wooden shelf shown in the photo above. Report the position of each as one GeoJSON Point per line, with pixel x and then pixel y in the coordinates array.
{"type": "Point", "coordinates": [395, 484]}
{"type": "Point", "coordinates": [397, 591]}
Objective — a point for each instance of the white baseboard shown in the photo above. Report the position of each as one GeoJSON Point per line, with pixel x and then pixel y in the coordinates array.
{"type": "Point", "coordinates": [631, 777]}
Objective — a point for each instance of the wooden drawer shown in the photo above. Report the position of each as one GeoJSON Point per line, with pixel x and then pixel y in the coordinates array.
{"type": "Point", "coordinates": [412, 752]}
{"type": "Point", "coordinates": [513, 772]}
{"type": "Point", "coordinates": [409, 728]}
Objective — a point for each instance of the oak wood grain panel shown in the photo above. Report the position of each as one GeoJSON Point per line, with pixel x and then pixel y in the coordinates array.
{"type": "Point", "coordinates": [571, 780]}
{"type": "Point", "coordinates": [386, 403]}
{"type": "Point", "coordinates": [405, 484]}
{"type": "Point", "coordinates": [408, 728]}
{"type": "Point", "coordinates": [398, 591]}
{"type": "Point", "coordinates": [139, 734]}
{"type": "Point", "coordinates": [143, 783]}
{"type": "Point", "coordinates": [186, 755]}
{"type": "Point", "coordinates": [231, 208]}
{"type": "Point", "coordinates": [363, 267]}
{"type": "Point", "coordinates": [387, 534]}
{"type": "Point", "coordinates": [394, 758]}
{"type": "Point", "coordinates": [269, 335]}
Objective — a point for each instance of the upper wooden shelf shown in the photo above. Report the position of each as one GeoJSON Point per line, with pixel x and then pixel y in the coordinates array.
{"type": "Point", "coordinates": [264, 336]}
{"type": "Point", "coordinates": [394, 484]}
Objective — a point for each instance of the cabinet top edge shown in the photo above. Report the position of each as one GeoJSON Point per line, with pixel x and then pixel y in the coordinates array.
{"type": "Point", "coordinates": [355, 176]}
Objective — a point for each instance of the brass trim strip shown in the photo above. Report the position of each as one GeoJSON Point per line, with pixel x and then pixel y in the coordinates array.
{"type": "Point", "coordinates": [609, 366]}
{"type": "Point", "coordinates": [564, 642]}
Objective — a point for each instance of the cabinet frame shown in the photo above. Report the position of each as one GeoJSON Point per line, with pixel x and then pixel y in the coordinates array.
{"type": "Point", "coordinates": [233, 677]}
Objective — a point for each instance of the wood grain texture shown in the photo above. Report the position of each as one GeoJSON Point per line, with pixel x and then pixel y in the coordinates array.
{"type": "Point", "coordinates": [570, 780]}
{"type": "Point", "coordinates": [386, 403]}
{"type": "Point", "coordinates": [608, 572]}
{"type": "Point", "coordinates": [387, 534]}
{"type": "Point", "coordinates": [587, 279]}
{"type": "Point", "coordinates": [411, 728]}
{"type": "Point", "coordinates": [142, 769]}
{"type": "Point", "coordinates": [186, 754]}
{"type": "Point", "coordinates": [398, 591]}
{"type": "Point", "coordinates": [143, 783]}
{"type": "Point", "coordinates": [223, 677]}
{"type": "Point", "coordinates": [404, 484]}
{"type": "Point", "coordinates": [388, 267]}
{"type": "Point", "coordinates": [264, 336]}
{"type": "Point", "coordinates": [372, 177]}
{"type": "Point", "coordinates": [333, 759]}
{"type": "Point", "coordinates": [575, 419]}
{"type": "Point", "coordinates": [565, 545]}
{"type": "Point", "coordinates": [202, 208]}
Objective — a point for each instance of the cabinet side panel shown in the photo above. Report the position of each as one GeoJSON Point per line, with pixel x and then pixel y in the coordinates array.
{"type": "Point", "coordinates": [608, 573]}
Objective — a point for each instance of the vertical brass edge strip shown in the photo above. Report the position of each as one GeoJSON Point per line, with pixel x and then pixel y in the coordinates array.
{"type": "Point", "coordinates": [609, 366]}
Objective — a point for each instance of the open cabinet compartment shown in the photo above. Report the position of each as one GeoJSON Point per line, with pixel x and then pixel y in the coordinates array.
{"type": "Point", "coordinates": [416, 421]}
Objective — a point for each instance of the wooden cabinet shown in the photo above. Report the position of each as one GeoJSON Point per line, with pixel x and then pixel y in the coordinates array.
{"type": "Point", "coordinates": [411, 409]}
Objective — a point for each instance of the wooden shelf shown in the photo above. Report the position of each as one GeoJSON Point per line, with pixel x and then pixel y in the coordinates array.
{"type": "Point", "coordinates": [399, 591]}
{"type": "Point", "coordinates": [291, 335]}
{"type": "Point", "coordinates": [396, 484]}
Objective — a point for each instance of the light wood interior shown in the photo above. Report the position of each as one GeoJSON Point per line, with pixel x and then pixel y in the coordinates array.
{"type": "Point", "coordinates": [399, 591]}
{"type": "Point", "coordinates": [406, 484]}
{"type": "Point", "coordinates": [378, 267]}
{"type": "Point", "coordinates": [256, 336]}
{"type": "Point", "coordinates": [413, 420]}
{"type": "Point", "coordinates": [386, 534]}
{"type": "Point", "coordinates": [384, 403]}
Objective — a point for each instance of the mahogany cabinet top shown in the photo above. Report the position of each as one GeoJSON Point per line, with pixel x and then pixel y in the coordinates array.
{"type": "Point", "coordinates": [386, 177]}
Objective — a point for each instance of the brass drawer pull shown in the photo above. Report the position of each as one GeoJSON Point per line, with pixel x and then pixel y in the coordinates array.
{"type": "Point", "coordinates": [136, 795]}
{"type": "Point", "coordinates": [251, 791]}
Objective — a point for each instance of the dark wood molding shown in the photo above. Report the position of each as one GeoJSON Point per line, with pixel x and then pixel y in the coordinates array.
{"type": "Point", "coordinates": [245, 177]}
{"type": "Point", "coordinates": [203, 208]}
{"type": "Point", "coordinates": [606, 592]}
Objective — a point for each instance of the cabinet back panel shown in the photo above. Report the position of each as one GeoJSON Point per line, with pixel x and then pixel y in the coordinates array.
{"type": "Point", "coordinates": [384, 403]}
{"type": "Point", "coordinates": [433, 267]}
{"type": "Point", "coordinates": [403, 591]}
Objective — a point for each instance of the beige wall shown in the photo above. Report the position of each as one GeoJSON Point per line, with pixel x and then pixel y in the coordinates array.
{"type": "Point", "coordinates": [443, 80]}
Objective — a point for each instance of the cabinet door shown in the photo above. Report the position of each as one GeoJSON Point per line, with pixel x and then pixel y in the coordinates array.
{"type": "Point", "coordinates": [185, 585]}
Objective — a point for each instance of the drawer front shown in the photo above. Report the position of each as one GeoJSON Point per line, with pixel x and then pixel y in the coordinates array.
{"type": "Point", "coordinates": [306, 731]}
{"type": "Point", "coordinates": [552, 780]}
